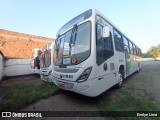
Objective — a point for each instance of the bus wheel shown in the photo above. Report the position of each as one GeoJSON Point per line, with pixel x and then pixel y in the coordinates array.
{"type": "Point", "coordinates": [120, 80]}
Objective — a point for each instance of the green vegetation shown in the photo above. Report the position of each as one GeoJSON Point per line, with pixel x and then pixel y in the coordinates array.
{"type": "Point", "coordinates": [18, 97]}
{"type": "Point", "coordinates": [154, 51]}
{"type": "Point", "coordinates": [126, 100]}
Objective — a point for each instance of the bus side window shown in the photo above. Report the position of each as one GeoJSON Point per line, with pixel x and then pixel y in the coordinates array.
{"type": "Point", "coordinates": [136, 51]}
{"type": "Point", "coordinates": [131, 47]}
{"type": "Point", "coordinates": [118, 41]}
{"type": "Point", "coordinates": [126, 45]}
{"type": "Point", "coordinates": [104, 45]}
{"type": "Point", "coordinates": [134, 48]}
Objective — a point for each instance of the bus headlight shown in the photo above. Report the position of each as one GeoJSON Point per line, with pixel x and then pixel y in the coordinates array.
{"type": "Point", "coordinates": [84, 76]}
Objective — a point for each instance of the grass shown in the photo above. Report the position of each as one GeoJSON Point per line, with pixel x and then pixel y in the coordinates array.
{"type": "Point", "coordinates": [18, 97]}
{"type": "Point", "coordinates": [128, 98]}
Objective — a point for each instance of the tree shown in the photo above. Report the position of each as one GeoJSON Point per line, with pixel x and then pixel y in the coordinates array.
{"type": "Point", "coordinates": [154, 51]}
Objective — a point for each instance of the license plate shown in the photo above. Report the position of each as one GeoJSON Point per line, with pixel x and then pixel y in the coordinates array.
{"type": "Point", "coordinates": [61, 85]}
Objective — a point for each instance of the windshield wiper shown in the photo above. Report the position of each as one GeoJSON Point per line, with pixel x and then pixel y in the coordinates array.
{"type": "Point", "coordinates": [73, 37]}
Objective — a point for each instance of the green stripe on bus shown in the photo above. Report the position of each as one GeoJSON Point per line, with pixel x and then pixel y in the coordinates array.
{"type": "Point", "coordinates": [128, 63]}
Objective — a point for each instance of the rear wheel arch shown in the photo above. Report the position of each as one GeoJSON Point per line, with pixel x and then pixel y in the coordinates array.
{"type": "Point", "coordinates": [120, 76]}
{"type": "Point", "coordinates": [121, 69]}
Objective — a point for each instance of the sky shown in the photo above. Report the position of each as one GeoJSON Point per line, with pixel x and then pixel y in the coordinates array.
{"type": "Point", "coordinates": [138, 19]}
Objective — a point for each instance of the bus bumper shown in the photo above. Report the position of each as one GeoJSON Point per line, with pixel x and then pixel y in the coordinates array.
{"type": "Point", "coordinates": [87, 88]}
{"type": "Point", "coordinates": [46, 78]}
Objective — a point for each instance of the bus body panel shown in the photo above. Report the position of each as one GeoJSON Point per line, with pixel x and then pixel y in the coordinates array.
{"type": "Point", "coordinates": [46, 72]}
{"type": "Point", "coordinates": [133, 64]}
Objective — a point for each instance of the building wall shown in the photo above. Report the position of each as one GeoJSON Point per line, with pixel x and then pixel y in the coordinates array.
{"type": "Point", "coordinates": [20, 45]}
{"type": "Point", "coordinates": [16, 67]}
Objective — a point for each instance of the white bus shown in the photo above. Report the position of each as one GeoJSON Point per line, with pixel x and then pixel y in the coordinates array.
{"type": "Point", "coordinates": [92, 55]}
{"type": "Point", "coordinates": [34, 66]}
{"type": "Point", "coordinates": [46, 62]}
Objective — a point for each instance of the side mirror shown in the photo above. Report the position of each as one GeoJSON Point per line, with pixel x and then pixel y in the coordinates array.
{"type": "Point", "coordinates": [106, 31]}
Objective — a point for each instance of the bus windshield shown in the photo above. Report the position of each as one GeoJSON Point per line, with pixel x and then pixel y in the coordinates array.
{"type": "Point", "coordinates": [73, 47]}
{"type": "Point", "coordinates": [46, 58]}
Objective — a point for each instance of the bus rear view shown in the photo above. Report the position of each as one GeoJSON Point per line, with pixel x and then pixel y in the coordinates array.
{"type": "Point", "coordinates": [85, 57]}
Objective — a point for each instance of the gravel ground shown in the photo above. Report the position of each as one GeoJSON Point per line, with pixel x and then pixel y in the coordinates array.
{"type": "Point", "coordinates": [67, 101]}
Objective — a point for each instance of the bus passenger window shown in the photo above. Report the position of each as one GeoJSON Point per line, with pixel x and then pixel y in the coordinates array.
{"type": "Point", "coordinates": [118, 41]}
{"type": "Point", "coordinates": [104, 46]}
{"type": "Point", "coordinates": [126, 46]}
{"type": "Point", "coordinates": [131, 47]}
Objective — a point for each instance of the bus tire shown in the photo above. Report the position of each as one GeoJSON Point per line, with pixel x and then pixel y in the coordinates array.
{"type": "Point", "coordinates": [120, 80]}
